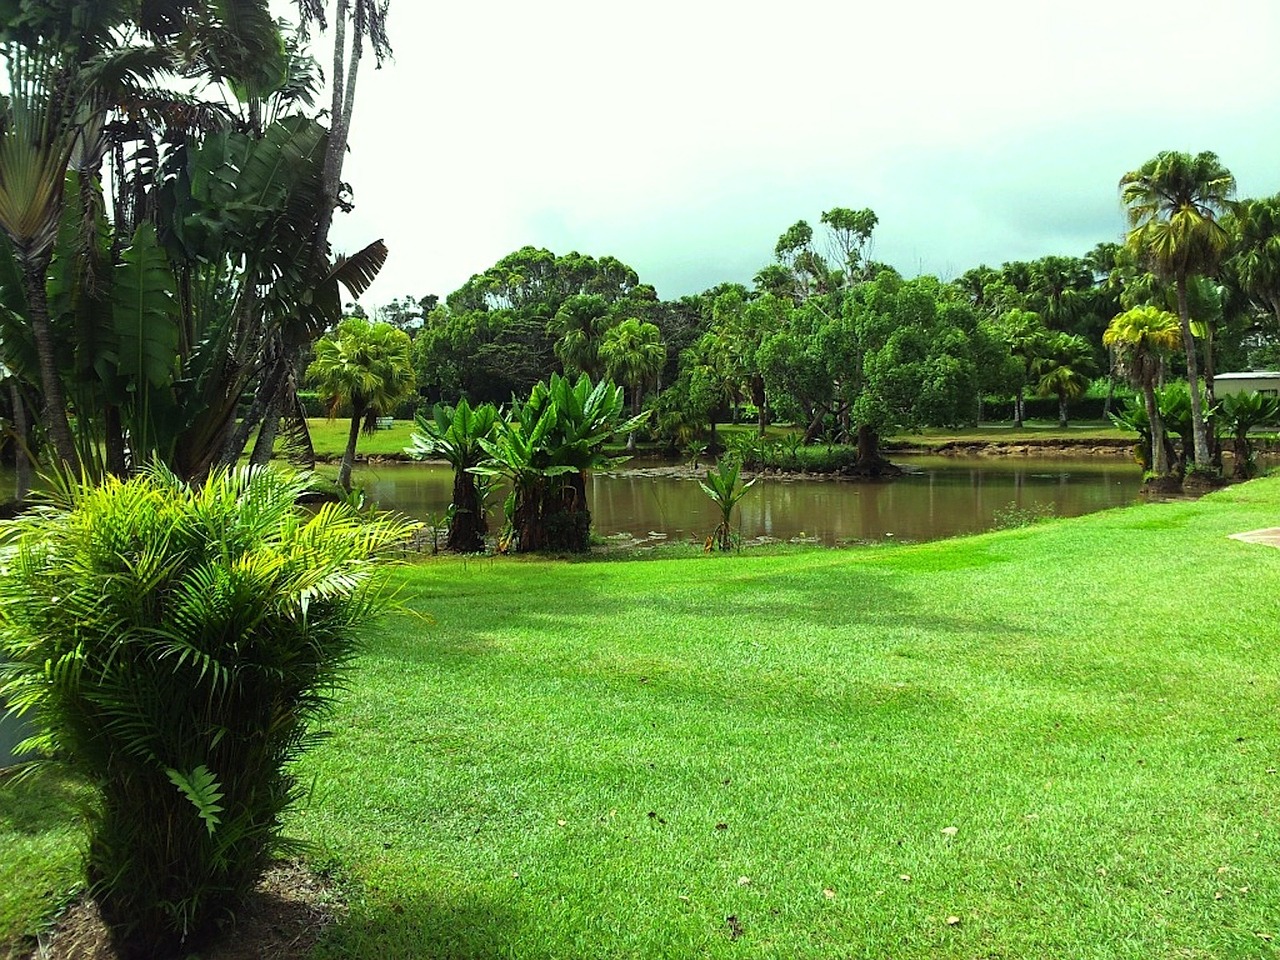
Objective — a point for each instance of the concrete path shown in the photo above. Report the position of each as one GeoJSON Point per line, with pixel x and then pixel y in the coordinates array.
{"type": "Point", "coordinates": [1269, 537]}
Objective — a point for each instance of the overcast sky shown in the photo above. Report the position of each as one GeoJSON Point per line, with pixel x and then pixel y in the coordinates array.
{"type": "Point", "coordinates": [684, 137]}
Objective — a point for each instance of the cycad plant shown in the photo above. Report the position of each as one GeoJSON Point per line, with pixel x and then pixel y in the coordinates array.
{"type": "Point", "coordinates": [723, 488]}
{"type": "Point", "coordinates": [177, 644]}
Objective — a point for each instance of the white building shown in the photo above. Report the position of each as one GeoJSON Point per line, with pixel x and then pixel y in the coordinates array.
{"type": "Point", "coordinates": [1266, 382]}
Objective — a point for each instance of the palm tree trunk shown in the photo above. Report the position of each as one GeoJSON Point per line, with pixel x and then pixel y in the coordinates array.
{"type": "Point", "coordinates": [23, 429]}
{"type": "Point", "coordinates": [1159, 458]}
{"type": "Point", "coordinates": [1062, 411]}
{"type": "Point", "coordinates": [1198, 430]}
{"type": "Point", "coordinates": [55, 400]}
{"type": "Point", "coordinates": [635, 412]}
{"type": "Point", "coordinates": [349, 455]}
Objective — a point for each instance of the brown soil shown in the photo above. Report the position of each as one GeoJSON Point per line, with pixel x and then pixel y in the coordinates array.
{"type": "Point", "coordinates": [284, 920]}
{"type": "Point", "coordinates": [1037, 448]}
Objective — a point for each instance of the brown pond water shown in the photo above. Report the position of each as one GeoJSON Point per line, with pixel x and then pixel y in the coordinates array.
{"type": "Point", "coordinates": [941, 497]}
{"type": "Point", "coordinates": [650, 501]}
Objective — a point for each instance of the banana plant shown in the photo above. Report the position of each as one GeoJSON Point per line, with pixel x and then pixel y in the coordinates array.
{"type": "Point", "coordinates": [454, 434]}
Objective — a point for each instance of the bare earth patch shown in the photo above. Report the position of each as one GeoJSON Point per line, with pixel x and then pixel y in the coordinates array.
{"type": "Point", "coordinates": [1269, 536]}
{"type": "Point", "coordinates": [285, 918]}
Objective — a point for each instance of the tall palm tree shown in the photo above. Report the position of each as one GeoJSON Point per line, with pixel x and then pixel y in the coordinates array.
{"type": "Point", "coordinates": [1256, 260]}
{"type": "Point", "coordinates": [366, 367]}
{"type": "Point", "coordinates": [1141, 336]}
{"type": "Point", "coordinates": [1063, 365]}
{"type": "Point", "coordinates": [1174, 204]}
{"type": "Point", "coordinates": [1024, 332]}
{"type": "Point", "coordinates": [633, 354]}
{"type": "Point", "coordinates": [579, 325]}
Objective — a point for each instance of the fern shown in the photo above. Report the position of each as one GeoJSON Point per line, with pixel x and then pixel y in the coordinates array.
{"type": "Point", "coordinates": [201, 787]}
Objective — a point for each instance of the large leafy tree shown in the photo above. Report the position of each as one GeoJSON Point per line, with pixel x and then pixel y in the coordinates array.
{"type": "Point", "coordinates": [1175, 202]}
{"type": "Point", "coordinates": [365, 367]}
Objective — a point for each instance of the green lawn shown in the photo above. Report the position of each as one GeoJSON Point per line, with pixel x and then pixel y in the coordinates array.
{"type": "Point", "coordinates": [1062, 738]}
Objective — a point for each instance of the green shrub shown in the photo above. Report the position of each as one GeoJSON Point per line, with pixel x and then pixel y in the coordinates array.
{"type": "Point", "coordinates": [177, 644]}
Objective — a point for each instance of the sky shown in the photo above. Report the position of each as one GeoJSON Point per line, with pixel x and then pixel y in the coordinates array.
{"type": "Point", "coordinates": [684, 137]}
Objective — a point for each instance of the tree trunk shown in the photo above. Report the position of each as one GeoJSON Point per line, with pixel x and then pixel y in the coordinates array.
{"type": "Point", "coordinates": [349, 455]}
{"type": "Point", "coordinates": [1198, 430]}
{"type": "Point", "coordinates": [117, 463]}
{"type": "Point", "coordinates": [467, 530]}
{"type": "Point", "coordinates": [55, 400]}
{"type": "Point", "coordinates": [1159, 456]}
{"type": "Point", "coordinates": [1017, 409]}
{"type": "Point", "coordinates": [759, 399]}
{"type": "Point", "coordinates": [1242, 469]}
{"type": "Point", "coordinates": [264, 446]}
{"type": "Point", "coordinates": [1062, 411]}
{"type": "Point", "coordinates": [22, 429]}
{"type": "Point", "coordinates": [635, 412]}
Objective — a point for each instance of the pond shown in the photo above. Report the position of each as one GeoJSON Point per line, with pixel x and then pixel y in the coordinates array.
{"type": "Point", "coordinates": [650, 501]}
{"type": "Point", "coordinates": [941, 497]}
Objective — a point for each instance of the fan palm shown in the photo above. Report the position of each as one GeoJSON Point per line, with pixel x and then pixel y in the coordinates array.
{"type": "Point", "coordinates": [365, 367]}
{"type": "Point", "coordinates": [1063, 365]}
{"type": "Point", "coordinates": [633, 354]}
{"type": "Point", "coordinates": [1174, 204]}
{"type": "Point", "coordinates": [1140, 337]}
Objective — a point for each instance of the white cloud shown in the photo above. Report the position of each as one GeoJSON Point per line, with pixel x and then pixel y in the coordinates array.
{"type": "Point", "coordinates": [683, 137]}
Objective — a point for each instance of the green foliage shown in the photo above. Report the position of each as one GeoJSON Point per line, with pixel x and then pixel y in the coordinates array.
{"type": "Point", "coordinates": [366, 367]}
{"type": "Point", "coordinates": [545, 448]}
{"type": "Point", "coordinates": [725, 492]}
{"type": "Point", "coordinates": [177, 644]}
{"type": "Point", "coordinates": [1238, 413]}
{"type": "Point", "coordinates": [455, 434]}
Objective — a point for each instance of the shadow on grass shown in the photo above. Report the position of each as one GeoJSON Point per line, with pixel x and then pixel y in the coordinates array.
{"type": "Point", "coordinates": [461, 928]}
{"type": "Point", "coordinates": [46, 800]}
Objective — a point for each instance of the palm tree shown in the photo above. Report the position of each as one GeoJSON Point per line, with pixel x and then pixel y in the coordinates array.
{"type": "Point", "coordinates": [1064, 365]}
{"type": "Point", "coordinates": [367, 367]}
{"type": "Point", "coordinates": [1256, 261]}
{"type": "Point", "coordinates": [1174, 201]}
{"type": "Point", "coordinates": [633, 354]}
{"type": "Point", "coordinates": [454, 433]}
{"type": "Point", "coordinates": [578, 326]}
{"type": "Point", "coordinates": [1024, 332]}
{"type": "Point", "coordinates": [1141, 336]}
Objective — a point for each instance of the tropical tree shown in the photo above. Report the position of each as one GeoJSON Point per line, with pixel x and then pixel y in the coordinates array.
{"type": "Point", "coordinates": [724, 490]}
{"type": "Point", "coordinates": [365, 367]}
{"type": "Point", "coordinates": [1141, 336]}
{"type": "Point", "coordinates": [633, 354]}
{"type": "Point", "coordinates": [1024, 332]}
{"type": "Point", "coordinates": [579, 325]}
{"type": "Point", "coordinates": [1063, 366]}
{"type": "Point", "coordinates": [1174, 203]}
{"type": "Point", "coordinates": [1255, 261]}
{"type": "Point", "coordinates": [1239, 413]}
{"type": "Point", "coordinates": [177, 644]}
{"type": "Point", "coordinates": [455, 434]}
{"type": "Point", "coordinates": [545, 449]}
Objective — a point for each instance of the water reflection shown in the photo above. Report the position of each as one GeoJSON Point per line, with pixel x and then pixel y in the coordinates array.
{"type": "Point", "coordinates": [943, 497]}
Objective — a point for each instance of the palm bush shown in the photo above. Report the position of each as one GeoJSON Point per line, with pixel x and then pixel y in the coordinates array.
{"type": "Point", "coordinates": [723, 488]}
{"type": "Point", "coordinates": [177, 645]}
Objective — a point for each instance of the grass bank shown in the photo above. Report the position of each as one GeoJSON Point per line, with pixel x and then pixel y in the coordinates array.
{"type": "Point", "coordinates": [1058, 741]}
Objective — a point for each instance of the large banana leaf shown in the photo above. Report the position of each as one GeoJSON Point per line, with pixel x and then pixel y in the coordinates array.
{"type": "Point", "coordinates": [145, 312]}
